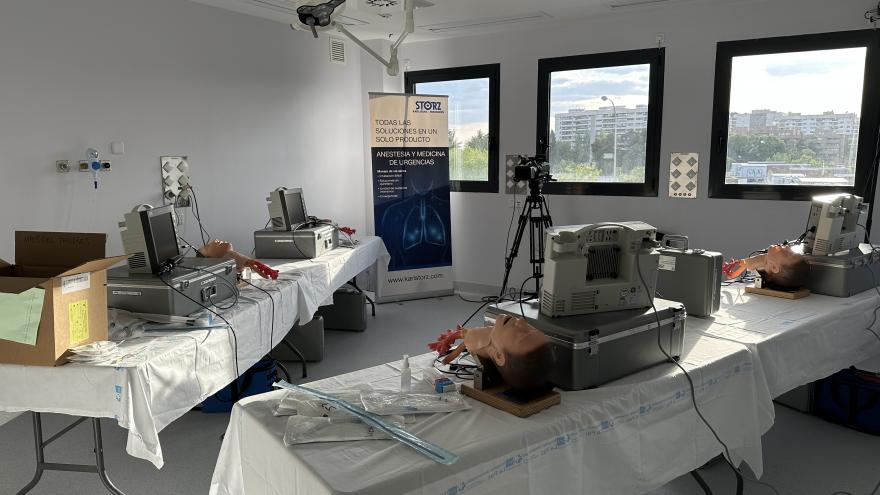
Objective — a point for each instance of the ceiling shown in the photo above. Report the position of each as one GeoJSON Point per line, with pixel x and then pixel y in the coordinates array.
{"type": "Point", "coordinates": [434, 19]}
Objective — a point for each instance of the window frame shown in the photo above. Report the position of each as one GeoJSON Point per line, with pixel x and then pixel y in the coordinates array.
{"type": "Point", "coordinates": [493, 73]}
{"type": "Point", "coordinates": [655, 58]}
{"type": "Point", "coordinates": [865, 180]}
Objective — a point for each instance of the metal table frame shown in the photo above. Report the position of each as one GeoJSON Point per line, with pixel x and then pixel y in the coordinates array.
{"type": "Point", "coordinates": [40, 445]}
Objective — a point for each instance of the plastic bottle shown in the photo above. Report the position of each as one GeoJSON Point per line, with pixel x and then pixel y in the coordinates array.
{"type": "Point", "coordinates": [405, 375]}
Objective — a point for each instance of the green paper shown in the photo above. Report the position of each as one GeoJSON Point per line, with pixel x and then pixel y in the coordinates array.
{"type": "Point", "coordinates": [20, 316]}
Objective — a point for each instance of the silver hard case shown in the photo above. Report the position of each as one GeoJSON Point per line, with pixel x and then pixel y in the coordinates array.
{"type": "Point", "coordinates": [304, 243]}
{"type": "Point", "coordinates": [692, 277]}
{"type": "Point", "coordinates": [590, 350]}
{"type": "Point", "coordinates": [844, 275]}
{"type": "Point", "coordinates": [206, 280]}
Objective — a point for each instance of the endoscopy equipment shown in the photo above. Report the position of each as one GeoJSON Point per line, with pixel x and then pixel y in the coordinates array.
{"type": "Point", "coordinates": [158, 279]}
{"type": "Point", "coordinates": [598, 267]}
{"type": "Point", "coordinates": [840, 265]}
{"type": "Point", "coordinates": [590, 350]}
{"type": "Point", "coordinates": [149, 236]}
{"type": "Point", "coordinates": [287, 208]}
{"type": "Point", "coordinates": [294, 235]}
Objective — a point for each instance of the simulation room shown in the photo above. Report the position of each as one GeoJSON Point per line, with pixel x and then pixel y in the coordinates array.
{"type": "Point", "coordinates": [449, 247]}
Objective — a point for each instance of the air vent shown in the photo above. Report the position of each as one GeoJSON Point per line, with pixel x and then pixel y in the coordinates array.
{"type": "Point", "coordinates": [337, 50]}
{"type": "Point", "coordinates": [603, 262]}
{"type": "Point", "coordinates": [550, 304]}
{"type": "Point", "coordinates": [137, 261]}
{"type": "Point", "coordinates": [448, 27]}
{"type": "Point", "coordinates": [584, 301]}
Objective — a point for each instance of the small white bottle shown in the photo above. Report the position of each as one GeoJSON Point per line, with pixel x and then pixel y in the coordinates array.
{"type": "Point", "coordinates": [405, 375]}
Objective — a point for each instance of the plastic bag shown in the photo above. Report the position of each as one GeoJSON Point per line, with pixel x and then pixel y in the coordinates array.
{"type": "Point", "coordinates": [300, 404]}
{"type": "Point", "coordinates": [388, 403]}
{"type": "Point", "coordinates": [304, 429]}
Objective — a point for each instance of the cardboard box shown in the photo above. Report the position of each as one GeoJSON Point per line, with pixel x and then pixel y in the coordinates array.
{"type": "Point", "coordinates": [71, 269]}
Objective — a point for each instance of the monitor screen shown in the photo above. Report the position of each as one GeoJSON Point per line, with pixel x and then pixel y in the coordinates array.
{"type": "Point", "coordinates": [295, 206]}
{"type": "Point", "coordinates": [164, 237]}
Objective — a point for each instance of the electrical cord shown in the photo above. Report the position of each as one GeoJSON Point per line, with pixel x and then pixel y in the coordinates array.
{"type": "Point", "coordinates": [221, 279]}
{"type": "Point", "coordinates": [521, 299]}
{"type": "Point", "coordinates": [726, 452]}
{"type": "Point", "coordinates": [197, 213]}
{"type": "Point", "coordinates": [272, 326]}
{"type": "Point", "coordinates": [231, 329]}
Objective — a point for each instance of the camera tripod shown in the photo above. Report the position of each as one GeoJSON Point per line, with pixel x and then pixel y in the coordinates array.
{"type": "Point", "coordinates": [535, 216]}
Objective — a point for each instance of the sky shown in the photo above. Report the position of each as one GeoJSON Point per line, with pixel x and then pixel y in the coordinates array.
{"type": "Point", "coordinates": [805, 82]}
{"type": "Point", "coordinates": [627, 86]}
{"type": "Point", "coordinates": [468, 104]}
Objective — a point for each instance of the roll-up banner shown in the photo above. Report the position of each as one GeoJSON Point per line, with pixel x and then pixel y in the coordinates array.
{"type": "Point", "coordinates": [410, 154]}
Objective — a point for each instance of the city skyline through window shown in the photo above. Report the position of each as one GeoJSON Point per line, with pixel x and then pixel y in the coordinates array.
{"type": "Point", "coordinates": [794, 118]}
{"type": "Point", "coordinates": [599, 123]}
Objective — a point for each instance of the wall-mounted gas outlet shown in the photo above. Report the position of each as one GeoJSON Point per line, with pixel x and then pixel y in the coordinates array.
{"type": "Point", "coordinates": [175, 180]}
{"type": "Point", "coordinates": [62, 166]}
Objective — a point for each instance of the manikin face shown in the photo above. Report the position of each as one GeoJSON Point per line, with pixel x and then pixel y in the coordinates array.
{"type": "Point", "coordinates": [508, 335]}
{"type": "Point", "coordinates": [779, 258]}
{"type": "Point", "coordinates": [216, 249]}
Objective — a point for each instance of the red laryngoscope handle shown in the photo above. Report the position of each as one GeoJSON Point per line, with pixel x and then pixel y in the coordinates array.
{"type": "Point", "coordinates": [263, 270]}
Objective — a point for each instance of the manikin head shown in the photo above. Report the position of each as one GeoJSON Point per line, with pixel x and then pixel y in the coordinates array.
{"type": "Point", "coordinates": [216, 249]}
{"type": "Point", "coordinates": [783, 267]}
{"type": "Point", "coordinates": [520, 351]}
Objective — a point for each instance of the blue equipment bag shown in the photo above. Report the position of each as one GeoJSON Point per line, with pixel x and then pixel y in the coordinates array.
{"type": "Point", "coordinates": [850, 397]}
{"type": "Point", "coordinates": [257, 380]}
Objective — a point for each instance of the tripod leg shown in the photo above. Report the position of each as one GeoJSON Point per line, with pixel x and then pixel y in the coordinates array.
{"type": "Point", "coordinates": [517, 239]}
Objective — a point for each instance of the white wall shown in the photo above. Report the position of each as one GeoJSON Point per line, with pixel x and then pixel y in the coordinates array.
{"type": "Point", "coordinates": [734, 227]}
{"type": "Point", "coordinates": [253, 104]}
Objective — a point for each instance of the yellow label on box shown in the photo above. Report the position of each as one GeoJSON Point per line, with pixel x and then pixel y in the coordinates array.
{"type": "Point", "coordinates": [79, 321]}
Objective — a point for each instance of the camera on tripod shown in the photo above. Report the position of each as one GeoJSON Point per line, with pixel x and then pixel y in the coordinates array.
{"type": "Point", "coordinates": [532, 168]}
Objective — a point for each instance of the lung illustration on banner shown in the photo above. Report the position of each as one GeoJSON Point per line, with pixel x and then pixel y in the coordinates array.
{"type": "Point", "coordinates": [410, 157]}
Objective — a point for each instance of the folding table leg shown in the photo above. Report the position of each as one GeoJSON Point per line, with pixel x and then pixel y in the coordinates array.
{"type": "Point", "coordinates": [99, 458]}
{"type": "Point", "coordinates": [40, 446]}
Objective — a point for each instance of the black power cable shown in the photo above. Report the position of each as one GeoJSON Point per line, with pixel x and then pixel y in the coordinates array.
{"type": "Point", "coordinates": [272, 326]}
{"type": "Point", "coordinates": [218, 315]}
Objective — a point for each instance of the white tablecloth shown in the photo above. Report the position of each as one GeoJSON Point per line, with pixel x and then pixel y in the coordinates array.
{"type": "Point", "coordinates": [169, 374]}
{"type": "Point", "coordinates": [630, 436]}
{"type": "Point", "coordinates": [320, 277]}
{"type": "Point", "coordinates": [166, 376]}
{"type": "Point", "coordinates": [796, 341]}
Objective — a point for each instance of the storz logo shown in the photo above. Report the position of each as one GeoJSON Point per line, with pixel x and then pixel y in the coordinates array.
{"type": "Point", "coordinates": [429, 107]}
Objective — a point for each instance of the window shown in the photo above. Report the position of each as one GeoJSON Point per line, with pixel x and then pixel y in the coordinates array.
{"type": "Point", "coordinates": [795, 116]}
{"type": "Point", "coordinates": [473, 121]}
{"type": "Point", "coordinates": [600, 115]}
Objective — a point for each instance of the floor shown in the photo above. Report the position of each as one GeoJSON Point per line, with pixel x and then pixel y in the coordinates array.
{"type": "Point", "coordinates": [803, 455]}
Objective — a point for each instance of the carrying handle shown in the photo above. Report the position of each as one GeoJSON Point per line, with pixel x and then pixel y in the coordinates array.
{"type": "Point", "coordinates": [676, 237]}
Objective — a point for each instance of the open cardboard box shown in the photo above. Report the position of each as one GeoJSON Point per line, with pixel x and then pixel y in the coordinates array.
{"type": "Point", "coordinates": [71, 268]}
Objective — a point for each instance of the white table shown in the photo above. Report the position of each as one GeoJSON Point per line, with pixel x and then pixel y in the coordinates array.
{"type": "Point", "coordinates": [169, 374]}
{"type": "Point", "coordinates": [597, 441]}
{"type": "Point", "coordinates": [796, 341]}
{"type": "Point", "coordinates": [630, 436]}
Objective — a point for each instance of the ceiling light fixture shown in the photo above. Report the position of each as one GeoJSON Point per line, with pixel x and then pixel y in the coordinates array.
{"type": "Point", "coordinates": [634, 3]}
{"type": "Point", "coordinates": [448, 27]}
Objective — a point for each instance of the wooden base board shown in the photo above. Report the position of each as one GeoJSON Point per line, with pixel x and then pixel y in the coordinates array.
{"type": "Point", "coordinates": [798, 294]}
{"type": "Point", "coordinates": [495, 397]}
